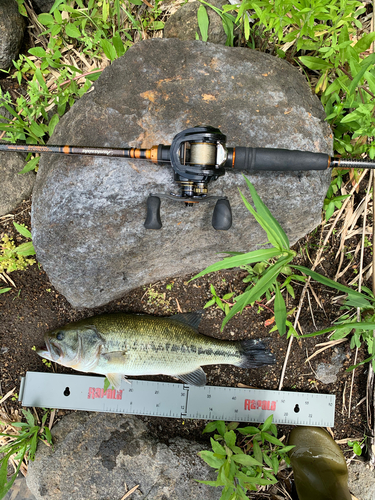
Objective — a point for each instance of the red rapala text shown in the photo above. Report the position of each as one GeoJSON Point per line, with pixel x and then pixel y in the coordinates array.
{"type": "Point", "coordinates": [95, 392]}
{"type": "Point", "coordinates": [253, 404]}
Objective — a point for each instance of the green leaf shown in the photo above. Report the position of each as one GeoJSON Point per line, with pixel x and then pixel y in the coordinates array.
{"type": "Point", "coordinates": [347, 326]}
{"type": "Point", "coordinates": [230, 438]}
{"type": "Point", "coordinates": [56, 4]}
{"type": "Point", "coordinates": [280, 311]}
{"type": "Point", "coordinates": [52, 123]}
{"type": "Point", "coordinates": [365, 64]}
{"type": "Point", "coordinates": [210, 427]}
{"type": "Point", "coordinates": [217, 448]}
{"type": "Point", "coordinates": [22, 230]}
{"type": "Point", "coordinates": [36, 129]}
{"type": "Point", "coordinates": [271, 439]}
{"type": "Point", "coordinates": [108, 49]}
{"type": "Point", "coordinates": [37, 51]}
{"type": "Point", "coordinates": [4, 290]}
{"type": "Point", "coordinates": [267, 424]}
{"type": "Point", "coordinates": [220, 426]}
{"type": "Point", "coordinates": [210, 459]}
{"type": "Point", "coordinates": [227, 493]}
{"type": "Point", "coordinates": [241, 260]}
{"type": "Point", "coordinates": [26, 249]}
{"type": "Point", "coordinates": [203, 22]}
{"type": "Point", "coordinates": [107, 383]}
{"type": "Point", "coordinates": [210, 483]}
{"type": "Point", "coordinates": [275, 463]}
{"type": "Point", "coordinates": [364, 42]}
{"type": "Point", "coordinates": [4, 485]}
{"type": "Point", "coordinates": [257, 451]}
{"type": "Point", "coordinates": [357, 449]}
{"type": "Point", "coordinates": [248, 430]}
{"type": "Point", "coordinates": [118, 45]}
{"type": "Point", "coordinates": [30, 165]}
{"type": "Point", "coordinates": [333, 284]}
{"type": "Point", "coordinates": [315, 62]}
{"type": "Point", "coordinates": [72, 31]}
{"type": "Point", "coordinates": [246, 460]}
{"type": "Point", "coordinates": [46, 19]}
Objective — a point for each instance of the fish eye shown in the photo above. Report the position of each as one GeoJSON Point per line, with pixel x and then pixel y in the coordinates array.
{"type": "Point", "coordinates": [60, 336]}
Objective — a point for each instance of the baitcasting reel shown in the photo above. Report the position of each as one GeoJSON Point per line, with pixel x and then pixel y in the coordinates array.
{"type": "Point", "coordinates": [199, 155]}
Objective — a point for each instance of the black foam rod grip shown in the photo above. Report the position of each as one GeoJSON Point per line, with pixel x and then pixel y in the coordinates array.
{"type": "Point", "coordinates": [222, 216]}
{"type": "Point", "coordinates": [153, 220]}
{"type": "Point", "coordinates": [253, 159]}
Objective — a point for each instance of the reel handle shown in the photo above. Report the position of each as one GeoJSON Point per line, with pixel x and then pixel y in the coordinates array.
{"type": "Point", "coordinates": [222, 215]}
{"type": "Point", "coordinates": [253, 159]}
{"type": "Point", "coordinates": [153, 220]}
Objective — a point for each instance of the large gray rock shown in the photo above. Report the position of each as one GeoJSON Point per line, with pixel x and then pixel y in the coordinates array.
{"type": "Point", "coordinates": [12, 27]}
{"type": "Point", "coordinates": [97, 454]}
{"type": "Point", "coordinates": [88, 212]}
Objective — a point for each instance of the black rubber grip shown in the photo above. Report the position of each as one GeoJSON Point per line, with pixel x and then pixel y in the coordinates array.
{"type": "Point", "coordinates": [253, 159]}
{"type": "Point", "coordinates": [222, 216]}
{"type": "Point", "coordinates": [153, 220]}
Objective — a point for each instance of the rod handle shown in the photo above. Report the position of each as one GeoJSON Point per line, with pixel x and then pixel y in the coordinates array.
{"type": "Point", "coordinates": [153, 220]}
{"type": "Point", "coordinates": [255, 159]}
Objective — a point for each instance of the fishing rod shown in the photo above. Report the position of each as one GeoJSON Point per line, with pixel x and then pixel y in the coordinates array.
{"type": "Point", "coordinates": [199, 155]}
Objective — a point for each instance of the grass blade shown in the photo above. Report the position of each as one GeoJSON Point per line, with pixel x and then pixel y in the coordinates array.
{"type": "Point", "coordinates": [280, 311]}
{"type": "Point", "coordinates": [259, 289]}
{"type": "Point", "coordinates": [263, 210]}
{"type": "Point", "coordinates": [344, 326]}
{"type": "Point", "coordinates": [240, 260]}
{"type": "Point", "coordinates": [333, 284]}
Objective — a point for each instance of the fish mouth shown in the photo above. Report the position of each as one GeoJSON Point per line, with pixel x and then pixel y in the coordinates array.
{"type": "Point", "coordinates": [50, 351]}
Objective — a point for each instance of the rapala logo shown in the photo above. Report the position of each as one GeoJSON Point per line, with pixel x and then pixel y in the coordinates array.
{"type": "Point", "coordinates": [95, 392]}
{"type": "Point", "coordinates": [253, 404]}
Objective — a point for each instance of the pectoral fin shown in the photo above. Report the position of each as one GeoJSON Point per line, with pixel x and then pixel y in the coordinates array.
{"type": "Point", "coordinates": [115, 358]}
{"type": "Point", "coordinates": [197, 377]}
{"type": "Point", "coordinates": [114, 379]}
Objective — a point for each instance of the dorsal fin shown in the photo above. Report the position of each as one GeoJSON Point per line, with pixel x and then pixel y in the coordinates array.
{"type": "Point", "coordinates": [192, 318]}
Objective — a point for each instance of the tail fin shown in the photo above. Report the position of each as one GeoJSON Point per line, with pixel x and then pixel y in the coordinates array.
{"type": "Point", "coordinates": [254, 354]}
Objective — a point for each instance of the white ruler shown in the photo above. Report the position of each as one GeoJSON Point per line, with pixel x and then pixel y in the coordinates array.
{"type": "Point", "coordinates": [176, 400]}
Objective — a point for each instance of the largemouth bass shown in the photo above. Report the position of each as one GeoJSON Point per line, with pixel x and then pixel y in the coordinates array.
{"type": "Point", "coordinates": [117, 345]}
